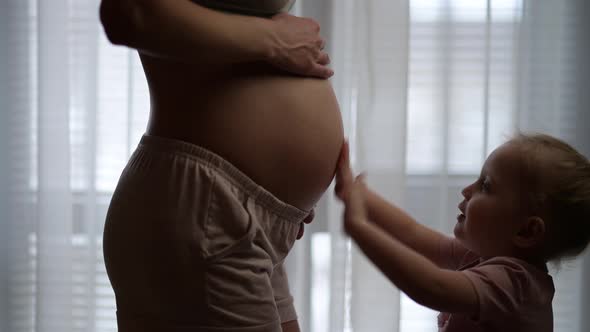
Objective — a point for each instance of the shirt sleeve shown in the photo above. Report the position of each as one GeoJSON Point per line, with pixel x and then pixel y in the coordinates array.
{"type": "Point", "coordinates": [502, 286]}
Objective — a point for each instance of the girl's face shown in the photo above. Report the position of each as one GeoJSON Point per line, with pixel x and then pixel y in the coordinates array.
{"type": "Point", "coordinates": [493, 207]}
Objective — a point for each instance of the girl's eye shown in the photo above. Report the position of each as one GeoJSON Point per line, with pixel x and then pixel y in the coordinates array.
{"type": "Point", "coordinates": [485, 185]}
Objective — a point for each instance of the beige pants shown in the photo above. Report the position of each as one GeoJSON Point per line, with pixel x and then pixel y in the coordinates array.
{"type": "Point", "coordinates": [193, 244]}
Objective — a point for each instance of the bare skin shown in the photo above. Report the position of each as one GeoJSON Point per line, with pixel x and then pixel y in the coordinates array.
{"type": "Point", "coordinates": [283, 131]}
{"type": "Point", "coordinates": [221, 81]}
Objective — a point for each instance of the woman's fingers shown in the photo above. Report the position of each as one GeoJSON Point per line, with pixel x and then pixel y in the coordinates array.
{"type": "Point", "coordinates": [323, 59]}
{"type": "Point", "coordinates": [320, 71]}
{"type": "Point", "coordinates": [321, 43]}
{"type": "Point", "coordinates": [309, 217]}
{"type": "Point", "coordinates": [307, 220]}
{"type": "Point", "coordinates": [298, 47]}
{"type": "Point", "coordinates": [301, 231]}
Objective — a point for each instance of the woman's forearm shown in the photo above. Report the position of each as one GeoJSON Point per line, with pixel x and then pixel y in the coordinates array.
{"type": "Point", "coordinates": [186, 32]}
{"type": "Point", "coordinates": [190, 33]}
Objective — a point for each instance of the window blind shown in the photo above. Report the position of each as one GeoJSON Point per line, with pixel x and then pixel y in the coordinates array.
{"type": "Point", "coordinates": [550, 61]}
{"type": "Point", "coordinates": [20, 99]}
{"type": "Point", "coordinates": [3, 171]}
{"type": "Point", "coordinates": [479, 70]}
{"type": "Point", "coordinates": [474, 69]}
{"type": "Point", "coordinates": [106, 113]}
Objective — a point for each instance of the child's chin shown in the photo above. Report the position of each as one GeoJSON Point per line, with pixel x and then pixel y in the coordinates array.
{"type": "Point", "coordinates": [458, 230]}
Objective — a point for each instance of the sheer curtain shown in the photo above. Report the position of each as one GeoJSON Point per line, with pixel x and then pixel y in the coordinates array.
{"type": "Point", "coordinates": [427, 89]}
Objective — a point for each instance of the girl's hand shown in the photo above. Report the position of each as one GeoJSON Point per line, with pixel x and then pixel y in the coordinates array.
{"type": "Point", "coordinates": [355, 209]}
{"type": "Point", "coordinates": [344, 177]}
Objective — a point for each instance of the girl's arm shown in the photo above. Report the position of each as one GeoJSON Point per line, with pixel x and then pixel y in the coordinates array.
{"type": "Point", "coordinates": [187, 32]}
{"type": "Point", "coordinates": [403, 227]}
{"type": "Point", "coordinates": [414, 274]}
{"type": "Point", "coordinates": [391, 218]}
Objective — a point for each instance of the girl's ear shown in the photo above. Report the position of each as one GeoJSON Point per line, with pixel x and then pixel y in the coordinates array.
{"type": "Point", "coordinates": [531, 233]}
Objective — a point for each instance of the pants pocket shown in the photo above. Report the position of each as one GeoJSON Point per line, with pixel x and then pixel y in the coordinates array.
{"type": "Point", "coordinates": [228, 224]}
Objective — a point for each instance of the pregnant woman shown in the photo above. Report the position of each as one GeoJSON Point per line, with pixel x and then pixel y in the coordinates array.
{"type": "Point", "coordinates": [236, 154]}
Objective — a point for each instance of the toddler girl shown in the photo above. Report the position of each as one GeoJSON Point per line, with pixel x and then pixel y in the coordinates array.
{"type": "Point", "coordinates": [530, 205]}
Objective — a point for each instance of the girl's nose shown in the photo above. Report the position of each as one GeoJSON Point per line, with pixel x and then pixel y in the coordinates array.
{"type": "Point", "coordinates": [466, 192]}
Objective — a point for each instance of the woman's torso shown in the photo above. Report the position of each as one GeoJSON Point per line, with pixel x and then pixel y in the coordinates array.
{"type": "Point", "coordinates": [284, 132]}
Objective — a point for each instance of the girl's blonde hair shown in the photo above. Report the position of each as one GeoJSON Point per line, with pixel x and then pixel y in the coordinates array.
{"type": "Point", "coordinates": [559, 180]}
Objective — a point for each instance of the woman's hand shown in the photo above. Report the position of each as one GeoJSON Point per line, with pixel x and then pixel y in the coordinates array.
{"type": "Point", "coordinates": [298, 47]}
{"type": "Point", "coordinates": [190, 33]}
{"type": "Point", "coordinates": [307, 220]}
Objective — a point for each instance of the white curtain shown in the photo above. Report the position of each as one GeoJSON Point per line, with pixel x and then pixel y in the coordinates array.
{"type": "Point", "coordinates": [427, 89]}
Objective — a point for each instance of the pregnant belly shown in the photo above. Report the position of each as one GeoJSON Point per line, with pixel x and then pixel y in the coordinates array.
{"type": "Point", "coordinates": [284, 132]}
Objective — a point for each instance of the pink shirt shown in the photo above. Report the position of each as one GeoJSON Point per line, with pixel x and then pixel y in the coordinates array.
{"type": "Point", "coordinates": [513, 294]}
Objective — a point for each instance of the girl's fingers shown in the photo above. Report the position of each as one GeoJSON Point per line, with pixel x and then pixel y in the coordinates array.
{"type": "Point", "coordinates": [361, 179]}
{"type": "Point", "coordinates": [344, 171]}
{"type": "Point", "coordinates": [344, 154]}
{"type": "Point", "coordinates": [355, 202]}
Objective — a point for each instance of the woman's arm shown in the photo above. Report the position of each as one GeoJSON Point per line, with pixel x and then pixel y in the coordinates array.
{"type": "Point", "coordinates": [391, 218]}
{"type": "Point", "coordinates": [412, 273]}
{"type": "Point", "coordinates": [187, 32]}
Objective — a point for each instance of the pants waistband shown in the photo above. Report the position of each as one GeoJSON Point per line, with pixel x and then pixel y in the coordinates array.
{"type": "Point", "coordinates": [258, 193]}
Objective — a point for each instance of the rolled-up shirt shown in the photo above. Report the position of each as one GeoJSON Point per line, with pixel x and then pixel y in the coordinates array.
{"type": "Point", "coordinates": [513, 295]}
{"type": "Point", "coordinates": [249, 7]}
